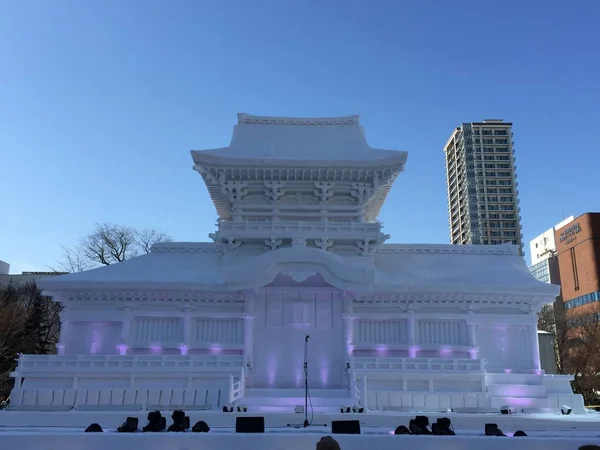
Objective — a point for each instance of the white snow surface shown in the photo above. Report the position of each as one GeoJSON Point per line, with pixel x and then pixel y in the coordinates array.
{"type": "Point", "coordinates": [335, 139]}
{"type": "Point", "coordinates": [452, 270]}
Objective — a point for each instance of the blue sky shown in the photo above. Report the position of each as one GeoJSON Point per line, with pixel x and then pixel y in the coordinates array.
{"type": "Point", "coordinates": [101, 101]}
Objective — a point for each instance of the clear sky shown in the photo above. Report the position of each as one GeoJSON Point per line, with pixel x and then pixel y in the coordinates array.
{"type": "Point", "coordinates": [101, 101]}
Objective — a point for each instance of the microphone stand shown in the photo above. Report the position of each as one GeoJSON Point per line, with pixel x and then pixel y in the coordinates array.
{"type": "Point", "coordinates": [306, 381]}
{"type": "Point", "coordinates": [306, 422]}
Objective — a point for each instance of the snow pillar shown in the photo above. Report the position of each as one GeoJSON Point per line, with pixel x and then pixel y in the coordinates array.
{"type": "Point", "coordinates": [535, 345]}
{"type": "Point", "coordinates": [348, 325]}
{"type": "Point", "coordinates": [410, 328]}
{"type": "Point", "coordinates": [249, 330]}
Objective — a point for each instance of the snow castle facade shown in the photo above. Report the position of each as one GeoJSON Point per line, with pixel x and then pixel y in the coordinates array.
{"type": "Point", "coordinates": [298, 251]}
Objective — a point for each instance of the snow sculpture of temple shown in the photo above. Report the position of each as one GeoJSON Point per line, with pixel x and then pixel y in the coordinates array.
{"type": "Point", "coordinates": [298, 251]}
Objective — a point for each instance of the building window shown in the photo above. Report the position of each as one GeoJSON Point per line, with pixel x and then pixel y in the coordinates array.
{"type": "Point", "coordinates": [575, 272]}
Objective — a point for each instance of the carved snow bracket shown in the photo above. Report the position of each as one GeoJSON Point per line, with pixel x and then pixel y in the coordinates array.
{"type": "Point", "coordinates": [235, 190]}
{"type": "Point", "coordinates": [324, 243]}
{"type": "Point", "coordinates": [323, 190]}
{"type": "Point", "coordinates": [298, 242]}
{"type": "Point", "coordinates": [230, 246]}
{"type": "Point", "coordinates": [362, 192]}
{"type": "Point", "coordinates": [274, 190]}
{"type": "Point", "coordinates": [273, 243]}
{"type": "Point", "coordinates": [366, 247]}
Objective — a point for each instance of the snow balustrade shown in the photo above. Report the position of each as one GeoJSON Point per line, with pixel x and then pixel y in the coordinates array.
{"type": "Point", "coordinates": [427, 383]}
{"type": "Point", "coordinates": [126, 383]}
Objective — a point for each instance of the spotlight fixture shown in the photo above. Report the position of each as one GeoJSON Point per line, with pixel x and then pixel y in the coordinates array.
{"type": "Point", "coordinates": [442, 427]}
{"type": "Point", "coordinates": [227, 408]}
{"type": "Point", "coordinates": [565, 410]}
{"type": "Point", "coordinates": [491, 429]}
{"type": "Point", "coordinates": [419, 425]}
{"type": "Point", "coordinates": [200, 427]}
{"type": "Point", "coordinates": [129, 426]}
{"type": "Point", "coordinates": [156, 422]}
{"type": "Point", "coordinates": [94, 428]}
{"type": "Point", "coordinates": [401, 430]}
{"type": "Point", "coordinates": [505, 409]}
{"type": "Point", "coordinates": [358, 409]}
{"type": "Point", "coordinates": [519, 433]}
{"type": "Point", "coordinates": [242, 408]}
{"type": "Point", "coordinates": [345, 409]}
{"type": "Point", "coordinates": [181, 422]}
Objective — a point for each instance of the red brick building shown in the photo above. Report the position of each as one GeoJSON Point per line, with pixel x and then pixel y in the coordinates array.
{"type": "Point", "coordinates": [578, 252]}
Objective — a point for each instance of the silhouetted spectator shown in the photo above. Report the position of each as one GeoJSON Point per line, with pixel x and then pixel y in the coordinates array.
{"type": "Point", "coordinates": [589, 447]}
{"type": "Point", "coordinates": [329, 443]}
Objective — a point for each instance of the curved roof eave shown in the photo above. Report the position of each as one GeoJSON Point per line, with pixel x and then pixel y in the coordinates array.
{"type": "Point", "coordinates": [203, 157]}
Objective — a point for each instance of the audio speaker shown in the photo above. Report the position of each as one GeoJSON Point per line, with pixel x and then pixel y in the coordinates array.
{"type": "Point", "coordinates": [345, 427]}
{"type": "Point", "coordinates": [250, 425]}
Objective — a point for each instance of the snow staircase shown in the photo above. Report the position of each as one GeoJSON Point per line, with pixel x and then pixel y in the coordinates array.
{"type": "Point", "coordinates": [286, 400]}
{"type": "Point", "coordinates": [519, 391]}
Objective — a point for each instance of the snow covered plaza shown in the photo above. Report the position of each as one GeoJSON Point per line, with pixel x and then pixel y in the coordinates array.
{"type": "Point", "coordinates": [298, 252]}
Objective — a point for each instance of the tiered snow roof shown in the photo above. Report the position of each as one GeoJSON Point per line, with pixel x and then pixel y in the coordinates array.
{"type": "Point", "coordinates": [273, 140]}
{"type": "Point", "coordinates": [397, 268]}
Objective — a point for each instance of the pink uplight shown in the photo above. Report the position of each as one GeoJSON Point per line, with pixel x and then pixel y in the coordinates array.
{"type": "Point", "coordinates": [412, 352]}
{"type": "Point", "coordinates": [473, 352]}
{"type": "Point", "coordinates": [122, 349]}
{"type": "Point", "coordinates": [215, 349]}
{"type": "Point", "coordinates": [184, 349]}
{"type": "Point", "coordinates": [445, 351]}
{"type": "Point", "coordinates": [507, 371]}
{"type": "Point", "coordinates": [539, 372]}
{"type": "Point", "coordinates": [155, 349]}
{"type": "Point", "coordinates": [381, 350]}
{"type": "Point", "coordinates": [60, 349]}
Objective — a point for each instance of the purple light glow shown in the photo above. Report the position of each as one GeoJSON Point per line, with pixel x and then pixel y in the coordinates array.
{"type": "Point", "coordinates": [473, 352]}
{"type": "Point", "coordinates": [122, 349]}
{"type": "Point", "coordinates": [381, 350]}
{"type": "Point", "coordinates": [507, 370]}
{"type": "Point", "coordinates": [412, 352]}
{"type": "Point", "coordinates": [445, 351]}
{"type": "Point", "coordinates": [215, 349]}
{"type": "Point", "coordinates": [184, 349]}
{"type": "Point", "coordinates": [271, 370]}
{"type": "Point", "coordinates": [155, 349]}
{"type": "Point", "coordinates": [60, 349]}
{"type": "Point", "coordinates": [324, 373]}
{"type": "Point", "coordinates": [539, 372]}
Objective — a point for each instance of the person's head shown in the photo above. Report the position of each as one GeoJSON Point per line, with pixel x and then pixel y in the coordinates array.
{"type": "Point", "coordinates": [328, 443]}
{"type": "Point", "coordinates": [589, 447]}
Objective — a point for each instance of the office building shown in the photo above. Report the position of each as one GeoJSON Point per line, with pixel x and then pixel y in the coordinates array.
{"type": "Point", "coordinates": [483, 202]}
{"type": "Point", "coordinates": [578, 251]}
{"type": "Point", "coordinates": [542, 250]}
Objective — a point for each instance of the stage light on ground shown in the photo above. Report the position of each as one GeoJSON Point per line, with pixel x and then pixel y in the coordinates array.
{"type": "Point", "coordinates": [242, 408]}
{"type": "Point", "coordinates": [345, 409]}
{"type": "Point", "coordinates": [227, 408]}
{"type": "Point", "coordinates": [129, 426]}
{"type": "Point", "coordinates": [358, 409]}
{"type": "Point", "coordinates": [442, 427]}
{"type": "Point", "coordinates": [519, 433]}
{"type": "Point", "coordinates": [200, 427]}
{"type": "Point", "coordinates": [419, 425]}
{"type": "Point", "coordinates": [94, 428]}
{"type": "Point", "coordinates": [181, 422]}
{"type": "Point", "coordinates": [565, 410]}
{"type": "Point", "coordinates": [491, 429]}
{"type": "Point", "coordinates": [156, 422]}
{"type": "Point", "coordinates": [401, 430]}
{"type": "Point", "coordinates": [505, 409]}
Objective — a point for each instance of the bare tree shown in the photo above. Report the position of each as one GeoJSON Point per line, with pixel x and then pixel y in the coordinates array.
{"type": "Point", "coordinates": [29, 323]}
{"type": "Point", "coordinates": [109, 244]}
{"type": "Point", "coordinates": [546, 319]}
{"type": "Point", "coordinates": [578, 342]}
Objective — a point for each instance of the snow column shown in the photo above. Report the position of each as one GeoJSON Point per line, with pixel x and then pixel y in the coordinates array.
{"type": "Point", "coordinates": [348, 325]}
{"type": "Point", "coordinates": [248, 331]}
{"type": "Point", "coordinates": [535, 346]}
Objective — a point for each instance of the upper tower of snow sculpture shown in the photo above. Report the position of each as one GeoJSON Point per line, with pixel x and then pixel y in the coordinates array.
{"type": "Point", "coordinates": [293, 181]}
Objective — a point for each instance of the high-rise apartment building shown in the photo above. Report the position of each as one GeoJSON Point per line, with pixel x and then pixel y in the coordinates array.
{"type": "Point", "coordinates": [483, 202]}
